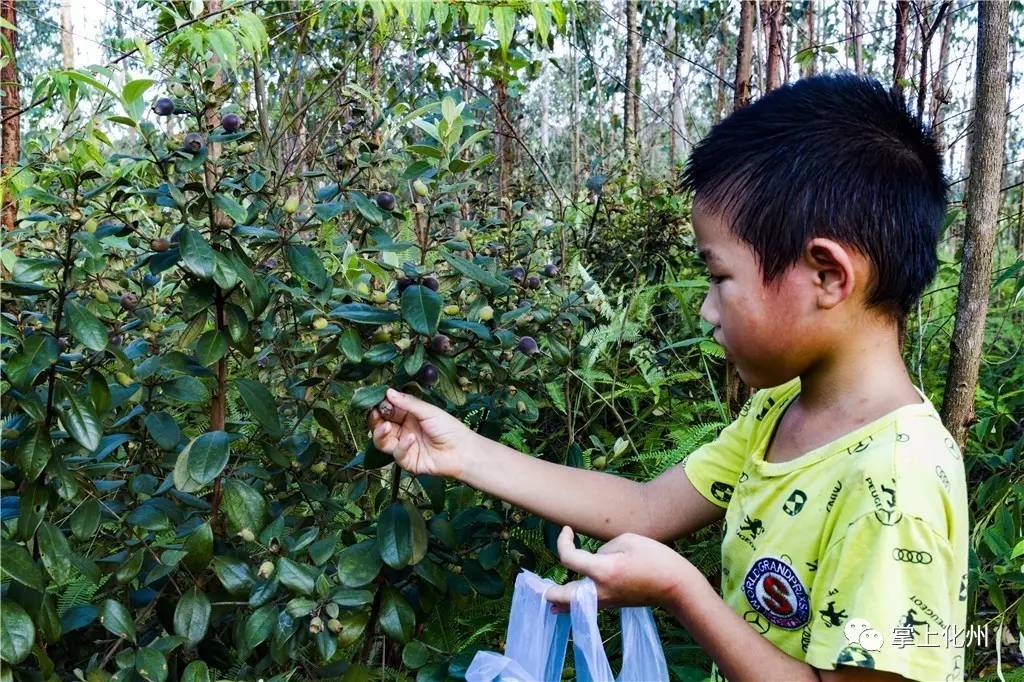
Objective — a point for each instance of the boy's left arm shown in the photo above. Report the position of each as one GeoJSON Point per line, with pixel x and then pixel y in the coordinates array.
{"type": "Point", "coordinates": [634, 570]}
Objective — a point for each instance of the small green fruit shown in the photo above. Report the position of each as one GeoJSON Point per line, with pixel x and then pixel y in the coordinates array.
{"type": "Point", "coordinates": [420, 187]}
{"type": "Point", "coordinates": [90, 225]}
{"type": "Point", "coordinates": [362, 289]}
{"type": "Point", "coordinates": [266, 569]}
{"type": "Point", "coordinates": [246, 535]}
{"type": "Point", "coordinates": [486, 313]}
{"type": "Point", "coordinates": [319, 467]}
{"type": "Point", "coordinates": [319, 323]}
{"type": "Point", "coordinates": [291, 205]}
{"type": "Point", "coordinates": [600, 462]}
{"type": "Point", "coordinates": [380, 297]}
{"type": "Point", "coordinates": [451, 309]}
{"type": "Point", "coordinates": [334, 625]}
{"type": "Point", "coordinates": [124, 379]}
{"type": "Point", "coordinates": [101, 296]}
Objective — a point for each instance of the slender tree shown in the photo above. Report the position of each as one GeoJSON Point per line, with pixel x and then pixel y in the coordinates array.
{"type": "Point", "coordinates": [899, 50]}
{"type": "Point", "coordinates": [630, 108]}
{"type": "Point", "coordinates": [11, 134]}
{"type": "Point", "coordinates": [744, 55]}
{"type": "Point", "coordinates": [940, 84]}
{"type": "Point", "coordinates": [771, 17]}
{"type": "Point", "coordinates": [982, 209]}
{"type": "Point", "coordinates": [67, 45]}
{"type": "Point", "coordinates": [810, 66]}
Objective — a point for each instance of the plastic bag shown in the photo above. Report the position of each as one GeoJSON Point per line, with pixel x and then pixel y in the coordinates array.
{"type": "Point", "coordinates": [536, 641]}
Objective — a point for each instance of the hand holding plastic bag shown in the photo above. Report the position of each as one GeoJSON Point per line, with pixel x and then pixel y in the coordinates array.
{"type": "Point", "coordinates": [537, 640]}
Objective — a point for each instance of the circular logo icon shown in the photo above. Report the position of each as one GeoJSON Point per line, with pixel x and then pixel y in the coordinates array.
{"type": "Point", "coordinates": [774, 590]}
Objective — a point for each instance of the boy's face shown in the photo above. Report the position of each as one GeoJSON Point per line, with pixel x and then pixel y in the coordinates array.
{"type": "Point", "coordinates": [767, 331]}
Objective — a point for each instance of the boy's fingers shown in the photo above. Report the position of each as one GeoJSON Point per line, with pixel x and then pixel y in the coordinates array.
{"type": "Point", "coordinates": [403, 447]}
{"type": "Point", "coordinates": [404, 403]}
{"type": "Point", "coordinates": [383, 437]}
{"type": "Point", "coordinates": [560, 595]}
{"type": "Point", "coordinates": [573, 558]}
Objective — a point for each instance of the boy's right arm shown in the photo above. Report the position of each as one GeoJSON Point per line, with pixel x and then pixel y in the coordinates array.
{"type": "Point", "coordinates": [426, 439]}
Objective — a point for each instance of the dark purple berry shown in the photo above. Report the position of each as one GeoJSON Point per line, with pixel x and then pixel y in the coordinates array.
{"type": "Point", "coordinates": [528, 345]}
{"type": "Point", "coordinates": [129, 301]}
{"type": "Point", "coordinates": [164, 106]}
{"type": "Point", "coordinates": [193, 143]}
{"type": "Point", "coordinates": [231, 122]}
{"type": "Point", "coordinates": [386, 200]}
{"type": "Point", "coordinates": [427, 376]}
{"type": "Point", "coordinates": [533, 282]}
{"type": "Point", "coordinates": [440, 344]}
{"type": "Point", "coordinates": [431, 282]}
{"type": "Point", "coordinates": [550, 270]}
{"type": "Point", "coordinates": [517, 273]}
{"type": "Point", "coordinates": [403, 283]}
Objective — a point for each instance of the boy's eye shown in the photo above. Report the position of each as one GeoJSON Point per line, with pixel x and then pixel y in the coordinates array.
{"type": "Point", "coordinates": [717, 279]}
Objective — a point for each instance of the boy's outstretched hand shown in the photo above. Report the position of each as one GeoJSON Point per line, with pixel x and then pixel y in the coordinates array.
{"type": "Point", "coordinates": [423, 439]}
{"type": "Point", "coordinates": [630, 570]}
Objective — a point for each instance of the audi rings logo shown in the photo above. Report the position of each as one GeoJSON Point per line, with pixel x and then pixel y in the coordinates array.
{"type": "Point", "coordinates": [911, 556]}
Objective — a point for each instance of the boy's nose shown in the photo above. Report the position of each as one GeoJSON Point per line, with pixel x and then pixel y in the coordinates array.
{"type": "Point", "coordinates": [708, 311]}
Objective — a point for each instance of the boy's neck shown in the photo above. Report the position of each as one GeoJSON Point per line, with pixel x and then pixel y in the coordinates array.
{"type": "Point", "coordinates": [862, 373]}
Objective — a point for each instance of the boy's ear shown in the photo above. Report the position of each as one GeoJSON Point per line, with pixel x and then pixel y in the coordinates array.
{"type": "Point", "coordinates": [834, 271]}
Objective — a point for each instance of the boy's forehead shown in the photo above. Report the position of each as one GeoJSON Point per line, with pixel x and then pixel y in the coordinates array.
{"type": "Point", "coordinates": [709, 230]}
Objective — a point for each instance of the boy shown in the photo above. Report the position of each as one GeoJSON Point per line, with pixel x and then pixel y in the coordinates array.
{"type": "Point", "coordinates": [817, 211]}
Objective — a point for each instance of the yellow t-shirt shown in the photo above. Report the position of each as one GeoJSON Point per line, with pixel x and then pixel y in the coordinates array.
{"type": "Point", "coordinates": [852, 554]}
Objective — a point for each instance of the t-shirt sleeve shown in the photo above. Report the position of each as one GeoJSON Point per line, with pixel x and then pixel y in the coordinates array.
{"type": "Point", "coordinates": [886, 596]}
{"type": "Point", "coordinates": [715, 467]}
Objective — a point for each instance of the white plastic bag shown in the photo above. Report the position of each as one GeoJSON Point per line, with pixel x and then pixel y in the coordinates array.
{"type": "Point", "coordinates": [536, 641]}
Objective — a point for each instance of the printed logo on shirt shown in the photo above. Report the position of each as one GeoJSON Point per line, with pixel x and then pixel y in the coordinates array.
{"type": "Point", "coordinates": [774, 590]}
{"type": "Point", "coordinates": [721, 491]}
{"type": "Point", "coordinates": [885, 502]}
{"type": "Point", "coordinates": [835, 493]}
{"type": "Point", "coordinates": [856, 655]}
{"type": "Point", "coordinates": [795, 503]}
{"type": "Point", "coordinates": [941, 473]}
{"type": "Point", "coordinates": [861, 445]}
{"type": "Point", "coordinates": [911, 556]}
{"type": "Point", "coordinates": [911, 622]}
{"type": "Point", "coordinates": [927, 611]}
{"type": "Point", "coordinates": [963, 587]}
{"type": "Point", "coordinates": [769, 404]}
{"type": "Point", "coordinates": [830, 617]}
{"type": "Point", "coordinates": [902, 437]}
{"type": "Point", "coordinates": [952, 447]}
{"type": "Point", "coordinates": [749, 531]}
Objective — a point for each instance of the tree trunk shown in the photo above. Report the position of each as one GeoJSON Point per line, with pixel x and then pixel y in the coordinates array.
{"type": "Point", "coordinates": [677, 141]}
{"type": "Point", "coordinates": [939, 85]}
{"type": "Point", "coordinates": [721, 64]}
{"type": "Point", "coordinates": [771, 17]}
{"type": "Point", "coordinates": [504, 141]}
{"type": "Point", "coordinates": [982, 209]}
{"type": "Point", "coordinates": [67, 45]}
{"type": "Point", "coordinates": [574, 115]}
{"type": "Point", "coordinates": [810, 66]}
{"type": "Point", "coordinates": [744, 55]}
{"type": "Point", "coordinates": [853, 21]}
{"type": "Point", "coordinates": [11, 134]}
{"type": "Point", "coordinates": [629, 122]}
{"type": "Point", "coordinates": [899, 50]}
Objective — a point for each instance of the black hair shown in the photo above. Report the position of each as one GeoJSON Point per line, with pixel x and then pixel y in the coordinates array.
{"type": "Point", "coordinates": [837, 156]}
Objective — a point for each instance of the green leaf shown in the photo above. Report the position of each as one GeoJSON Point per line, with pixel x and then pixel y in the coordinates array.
{"type": "Point", "coordinates": [505, 24]}
{"type": "Point", "coordinates": [307, 265]}
{"type": "Point", "coordinates": [369, 210]}
{"type": "Point", "coordinates": [85, 520]}
{"type": "Point", "coordinates": [233, 573]}
{"type": "Point", "coordinates": [196, 254]}
{"type": "Point", "coordinates": [37, 353]}
{"type": "Point", "coordinates": [260, 625]}
{"type": "Point", "coordinates": [363, 313]}
{"type": "Point", "coordinates": [18, 565]}
{"type": "Point", "coordinates": [421, 309]}
{"type": "Point", "coordinates": [55, 552]}
{"type": "Point", "coordinates": [115, 618]}
{"type": "Point", "coordinates": [296, 577]}
{"type": "Point", "coordinates": [17, 632]}
{"type": "Point", "coordinates": [414, 654]}
{"type": "Point", "coordinates": [199, 548]}
{"type": "Point", "coordinates": [33, 452]}
{"type": "Point", "coordinates": [368, 396]}
{"type": "Point", "coordinates": [401, 535]}
{"type": "Point", "coordinates": [359, 564]}
{"type": "Point", "coordinates": [499, 283]}
{"type": "Point", "coordinates": [397, 619]}
{"type": "Point", "coordinates": [192, 616]}
{"type": "Point", "coordinates": [163, 429]}
{"type": "Point", "coordinates": [231, 206]}
{"type": "Point", "coordinates": [543, 21]}
{"type": "Point", "coordinates": [211, 347]}
{"type": "Point", "coordinates": [261, 404]}
{"type": "Point", "coordinates": [81, 422]}
{"type": "Point", "coordinates": [196, 671]}
{"type": "Point", "coordinates": [207, 456]}
{"type": "Point", "coordinates": [244, 506]}
{"type": "Point", "coordinates": [84, 326]}
{"type": "Point", "coordinates": [151, 665]}
{"type": "Point", "coordinates": [133, 90]}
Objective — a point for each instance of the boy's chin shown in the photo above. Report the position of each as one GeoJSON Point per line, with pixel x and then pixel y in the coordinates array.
{"type": "Point", "coordinates": [760, 379]}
